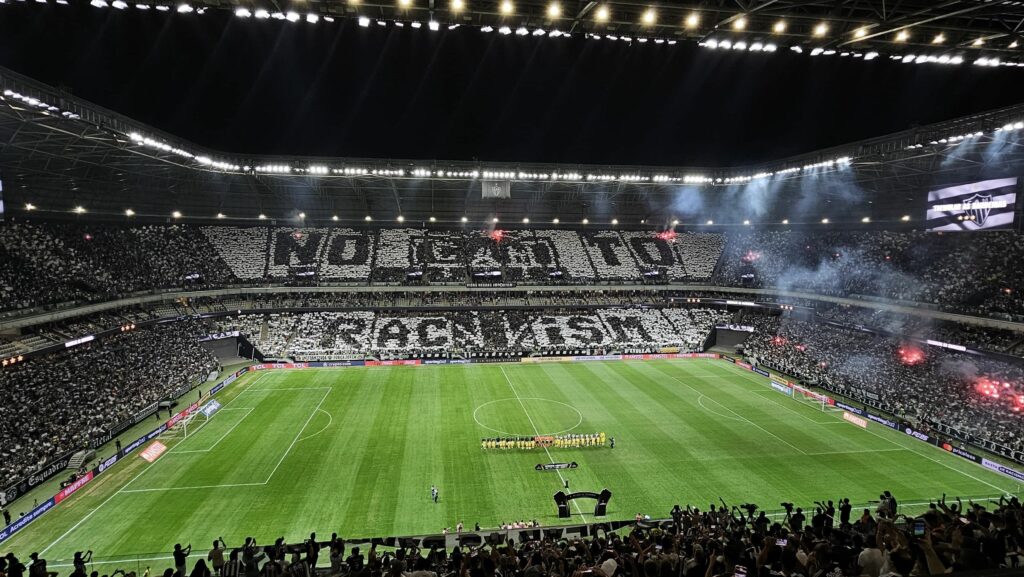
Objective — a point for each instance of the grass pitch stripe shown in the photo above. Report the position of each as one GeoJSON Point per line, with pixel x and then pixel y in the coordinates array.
{"type": "Point", "coordinates": [537, 431]}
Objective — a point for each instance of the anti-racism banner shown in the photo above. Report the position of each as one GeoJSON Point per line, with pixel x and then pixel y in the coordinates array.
{"type": "Point", "coordinates": [1000, 468]}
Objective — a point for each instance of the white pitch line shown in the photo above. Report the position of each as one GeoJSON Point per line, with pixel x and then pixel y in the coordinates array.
{"type": "Point", "coordinates": [157, 489]}
{"type": "Point", "coordinates": [133, 479]}
{"type": "Point", "coordinates": [787, 443]}
{"type": "Point", "coordinates": [297, 435]}
{"type": "Point", "coordinates": [537, 431]}
{"type": "Point", "coordinates": [907, 448]}
{"type": "Point", "coordinates": [222, 437]}
{"type": "Point", "coordinates": [114, 562]}
{"type": "Point", "coordinates": [329, 422]}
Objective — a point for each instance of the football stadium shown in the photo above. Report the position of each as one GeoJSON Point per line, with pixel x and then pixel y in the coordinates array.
{"type": "Point", "coordinates": [511, 288]}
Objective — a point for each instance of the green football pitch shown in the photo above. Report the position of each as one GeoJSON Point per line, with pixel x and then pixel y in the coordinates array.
{"type": "Point", "coordinates": [356, 450]}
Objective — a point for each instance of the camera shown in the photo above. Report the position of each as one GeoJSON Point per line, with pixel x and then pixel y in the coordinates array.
{"type": "Point", "coordinates": [749, 507]}
{"type": "Point", "coordinates": [787, 506]}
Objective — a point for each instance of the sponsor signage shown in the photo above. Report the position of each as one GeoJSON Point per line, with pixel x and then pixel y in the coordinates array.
{"type": "Point", "coordinates": [22, 522]}
{"type": "Point", "coordinates": [153, 452]}
{"type": "Point", "coordinates": [744, 365]}
{"type": "Point", "coordinates": [1000, 468]}
{"type": "Point", "coordinates": [79, 341]}
{"type": "Point", "coordinates": [740, 328]}
{"type": "Point", "coordinates": [851, 418]}
{"type": "Point", "coordinates": [916, 434]}
{"type": "Point", "coordinates": [882, 421]}
{"type": "Point", "coordinates": [784, 389]}
{"type": "Point", "coordinates": [851, 408]}
{"type": "Point", "coordinates": [761, 372]}
{"type": "Point", "coordinates": [598, 358]}
{"type": "Point", "coordinates": [107, 464]}
{"type": "Point", "coordinates": [210, 408]}
{"type": "Point", "coordinates": [219, 336]}
{"type": "Point", "coordinates": [946, 345]}
{"type": "Point", "coordinates": [73, 487]}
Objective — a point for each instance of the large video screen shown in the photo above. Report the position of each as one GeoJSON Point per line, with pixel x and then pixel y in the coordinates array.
{"type": "Point", "coordinates": [985, 205]}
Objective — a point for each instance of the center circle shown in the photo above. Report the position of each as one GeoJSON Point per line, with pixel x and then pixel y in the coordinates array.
{"type": "Point", "coordinates": [541, 413]}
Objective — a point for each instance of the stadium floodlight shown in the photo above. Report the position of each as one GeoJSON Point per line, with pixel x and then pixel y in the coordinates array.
{"type": "Point", "coordinates": [554, 10]}
{"type": "Point", "coordinates": [866, 219]}
{"type": "Point", "coordinates": [675, 222]}
{"type": "Point", "coordinates": [615, 221]}
{"type": "Point", "coordinates": [243, 12]}
{"type": "Point", "coordinates": [401, 218]}
{"type": "Point", "coordinates": [902, 36]}
{"type": "Point", "coordinates": [129, 212]}
{"type": "Point", "coordinates": [1013, 44]}
{"type": "Point", "coordinates": [292, 17]}
{"type": "Point", "coordinates": [824, 221]}
{"type": "Point", "coordinates": [364, 21]}
{"type": "Point", "coordinates": [522, 31]}
{"type": "Point", "coordinates": [416, 25]}
{"type": "Point", "coordinates": [119, 4]}
{"type": "Point", "coordinates": [99, 3]}
{"type": "Point", "coordinates": [433, 219]}
{"type": "Point", "coordinates": [487, 29]}
{"type": "Point", "coordinates": [526, 220]}
{"type": "Point", "coordinates": [162, 8]}
{"type": "Point", "coordinates": [586, 221]}
{"type": "Point", "coordinates": [505, 30]}
{"type": "Point", "coordinates": [368, 218]}
{"type": "Point", "coordinates": [458, 5]}
{"type": "Point", "coordinates": [494, 220]}
{"type": "Point", "coordinates": [649, 17]}
{"type": "Point", "coordinates": [978, 42]}
{"type": "Point", "coordinates": [739, 23]}
{"type": "Point", "coordinates": [822, 29]}
{"type": "Point", "coordinates": [184, 8]}
{"type": "Point", "coordinates": [139, 6]}
{"type": "Point", "coordinates": [870, 56]}
{"type": "Point", "coordinates": [693, 20]}
{"type": "Point", "coordinates": [710, 222]}
{"type": "Point", "coordinates": [302, 216]}
{"type": "Point", "coordinates": [312, 18]}
{"type": "Point", "coordinates": [262, 14]}
{"type": "Point", "coordinates": [779, 27]}
{"type": "Point", "coordinates": [507, 8]}
{"type": "Point", "coordinates": [602, 14]}
{"type": "Point", "coordinates": [555, 220]}
{"type": "Point", "coordinates": [905, 218]}
{"type": "Point", "coordinates": [79, 210]}
{"type": "Point", "coordinates": [464, 219]}
{"type": "Point", "coordinates": [939, 38]}
{"type": "Point", "coordinates": [221, 215]}
{"type": "Point", "coordinates": [434, 25]}
{"type": "Point", "coordinates": [176, 214]}
{"type": "Point", "coordinates": [746, 222]}
{"type": "Point", "coordinates": [785, 221]}
{"type": "Point", "coordinates": [405, 3]}
{"type": "Point", "coordinates": [29, 206]}
{"type": "Point", "coordinates": [262, 216]}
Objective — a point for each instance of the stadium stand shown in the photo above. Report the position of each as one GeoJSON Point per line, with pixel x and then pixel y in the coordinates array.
{"type": "Point", "coordinates": [71, 400]}
{"type": "Point", "coordinates": [935, 392]}
{"type": "Point", "coordinates": [961, 539]}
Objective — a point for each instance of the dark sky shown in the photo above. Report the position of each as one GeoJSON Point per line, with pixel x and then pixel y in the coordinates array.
{"type": "Point", "coordinates": [265, 86]}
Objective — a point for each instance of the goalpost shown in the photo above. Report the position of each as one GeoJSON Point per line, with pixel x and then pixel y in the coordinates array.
{"type": "Point", "coordinates": [809, 397]}
{"type": "Point", "coordinates": [188, 425]}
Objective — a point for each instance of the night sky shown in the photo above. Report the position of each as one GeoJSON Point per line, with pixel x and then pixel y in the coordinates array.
{"type": "Point", "coordinates": [273, 87]}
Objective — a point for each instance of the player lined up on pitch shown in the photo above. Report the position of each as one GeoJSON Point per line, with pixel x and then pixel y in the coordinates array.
{"type": "Point", "coordinates": [548, 441]}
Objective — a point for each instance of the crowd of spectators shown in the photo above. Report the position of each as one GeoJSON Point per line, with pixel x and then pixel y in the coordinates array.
{"type": "Point", "coordinates": [927, 386]}
{"type": "Point", "coordinates": [970, 273]}
{"type": "Point", "coordinates": [322, 335]}
{"type": "Point", "coordinates": [719, 541]}
{"type": "Point", "coordinates": [65, 401]}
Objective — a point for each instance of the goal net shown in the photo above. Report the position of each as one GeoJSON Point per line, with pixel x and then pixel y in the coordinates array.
{"type": "Point", "coordinates": [188, 425]}
{"type": "Point", "coordinates": [809, 397]}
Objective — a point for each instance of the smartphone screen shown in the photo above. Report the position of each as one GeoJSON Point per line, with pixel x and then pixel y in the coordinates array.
{"type": "Point", "coordinates": [739, 571]}
{"type": "Point", "coordinates": [919, 528]}
{"type": "Point", "coordinates": [782, 542]}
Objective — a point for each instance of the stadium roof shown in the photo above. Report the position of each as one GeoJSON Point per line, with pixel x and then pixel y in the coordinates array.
{"type": "Point", "coordinates": [967, 29]}
{"type": "Point", "coordinates": [58, 152]}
